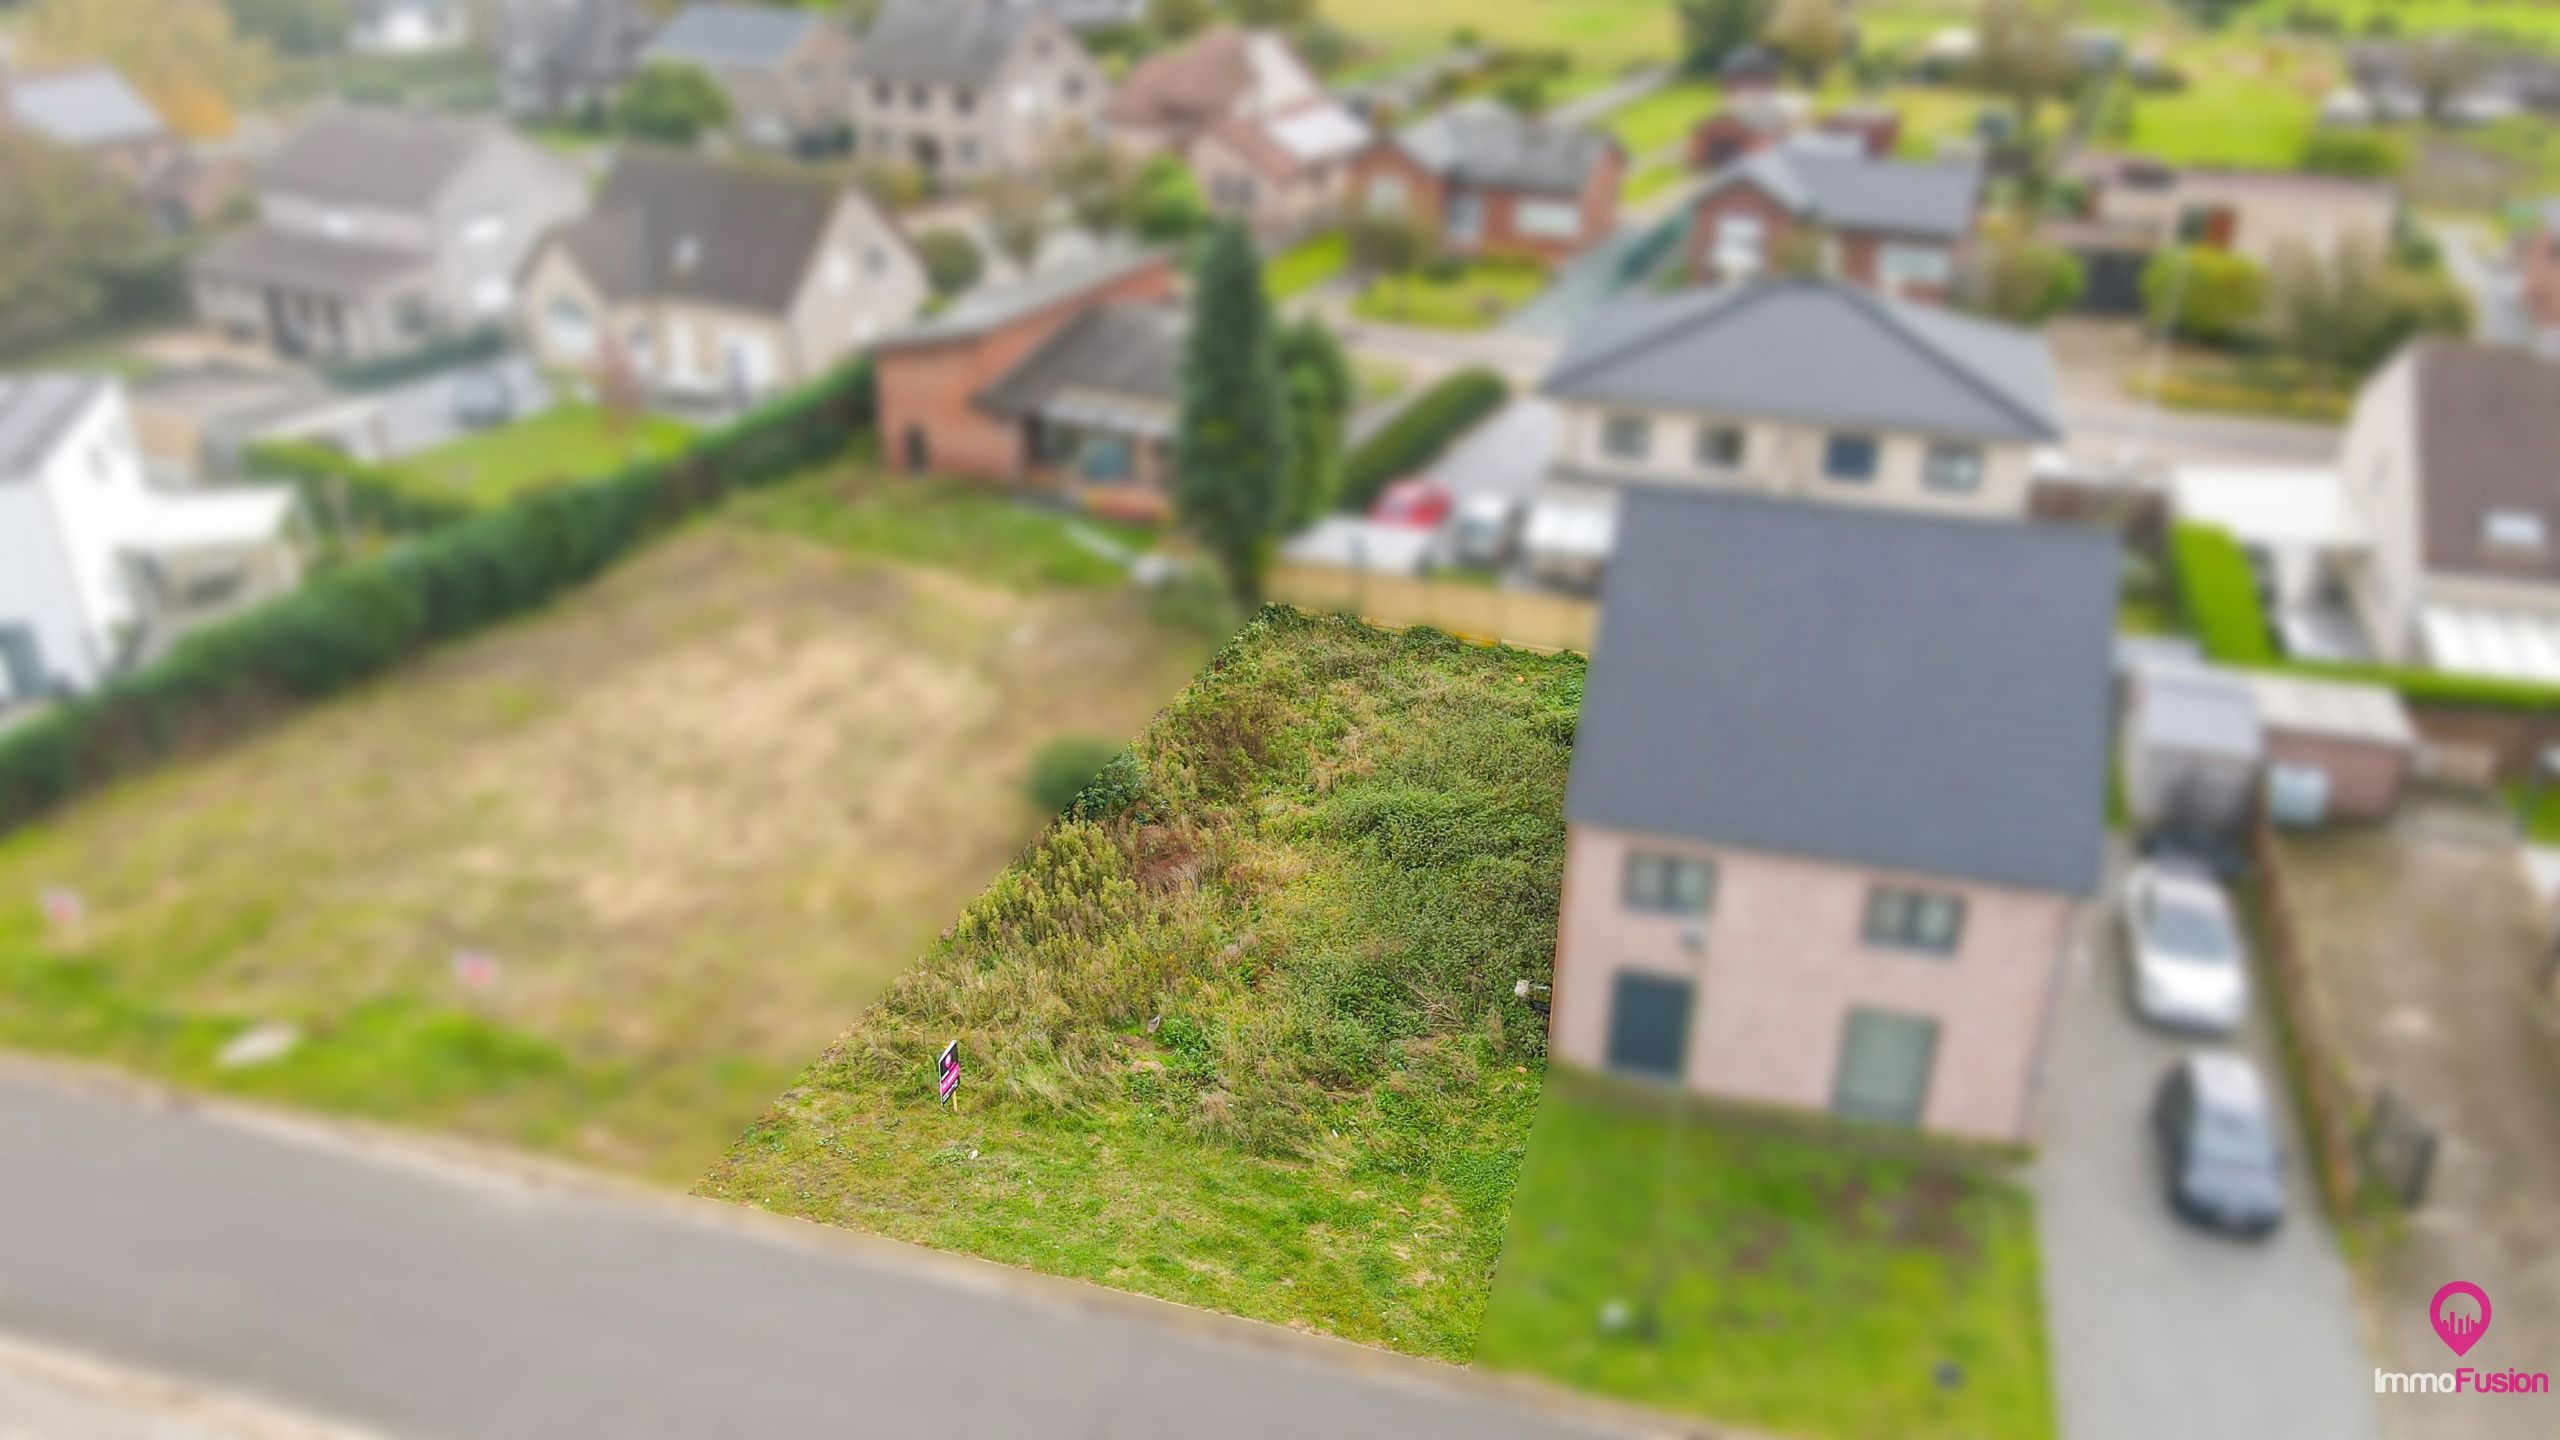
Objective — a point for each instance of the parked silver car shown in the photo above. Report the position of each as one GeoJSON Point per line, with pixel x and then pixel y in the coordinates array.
{"type": "Point", "coordinates": [2183, 952]}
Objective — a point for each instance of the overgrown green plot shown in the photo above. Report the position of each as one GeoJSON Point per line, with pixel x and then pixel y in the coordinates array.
{"type": "Point", "coordinates": [568, 442]}
{"type": "Point", "coordinates": [1806, 1285]}
{"type": "Point", "coordinates": [1249, 1042]}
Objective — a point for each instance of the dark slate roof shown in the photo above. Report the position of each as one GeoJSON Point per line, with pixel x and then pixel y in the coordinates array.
{"type": "Point", "coordinates": [1480, 142]}
{"type": "Point", "coordinates": [1813, 351]}
{"type": "Point", "coordinates": [732, 35]}
{"type": "Point", "coordinates": [374, 156]}
{"type": "Point", "coordinates": [266, 256]}
{"type": "Point", "coordinates": [992, 308]}
{"type": "Point", "coordinates": [91, 105]}
{"type": "Point", "coordinates": [1845, 189]}
{"type": "Point", "coordinates": [1133, 351]}
{"type": "Point", "coordinates": [950, 42]}
{"type": "Point", "coordinates": [675, 225]}
{"type": "Point", "coordinates": [34, 411]}
{"type": "Point", "coordinates": [2488, 439]}
{"type": "Point", "coordinates": [1873, 687]}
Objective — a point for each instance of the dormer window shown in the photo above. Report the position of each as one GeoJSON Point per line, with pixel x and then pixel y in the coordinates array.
{"type": "Point", "coordinates": [2512, 530]}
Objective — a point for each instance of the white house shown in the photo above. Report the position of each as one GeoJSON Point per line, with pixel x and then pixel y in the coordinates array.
{"type": "Point", "coordinates": [98, 568]}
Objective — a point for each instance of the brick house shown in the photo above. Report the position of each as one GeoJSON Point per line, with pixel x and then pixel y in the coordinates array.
{"type": "Point", "coordinates": [2538, 263]}
{"type": "Point", "coordinates": [1268, 145]}
{"type": "Point", "coordinates": [1748, 124]}
{"type": "Point", "coordinates": [1486, 180]}
{"type": "Point", "coordinates": [1849, 879]}
{"type": "Point", "coordinates": [1898, 227]}
{"type": "Point", "coordinates": [933, 376]}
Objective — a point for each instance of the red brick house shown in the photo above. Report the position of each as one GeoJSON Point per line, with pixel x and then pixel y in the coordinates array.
{"type": "Point", "coordinates": [1746, 125]}
{"type": "Point", "coordinates": [983, 390]}
{"type": "Point", "coordinates": [1899, 228]}
{"type": "Point", "coordinates": [1486, 180]}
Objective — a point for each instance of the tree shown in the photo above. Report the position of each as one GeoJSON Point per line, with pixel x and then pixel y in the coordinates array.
{"type": "Point", "coordinates": [1096, 184]}
{"type": "Point", "coordinates": [1017, 211]}
{"type": "Point", "coordinates": [2022, 53]}
{"type": "Point", "coordinates": [183, 55]}
{"type": "Point", "coordinates": [2442, 67]}
{"type": "Point", "coordinates": [2203, 294]}
{"type": "Point", "coordinates": [1388, 243]}
{"type": "Point", "coordinates": [65, 228]}
{"type": "Point", "coordinates": [1165, 203]}
{"type": "Point", "coordinates": [1179, 19]}
{"type": "Point", "coordinates": [670, 103]}
{"type": "Point", "coordinates": [952, 262]}
{"type": "Point", "coordinates": [1710, 30]}
{"type": "Point", "coordinates": [1272, 14]}
{"type": "Point", "coordinates": [2017, 278]}
{"type": "Point", "coordinates": [1319, 390]}
{"type": "Point", "coordinates": [294, 27]}
{"type": "Point", "coordinates": [1523, 91]}
{"type": "Point", "coordinates": [1231, 444]}
{"type": "Point", "coordinates": [1809, 33]}
{"type": "Point", "coordinates": [2345, 310]}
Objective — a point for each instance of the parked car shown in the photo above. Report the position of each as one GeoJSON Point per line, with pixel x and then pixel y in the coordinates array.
{"type": "Point", "coordinates": [2183, 953]}
{"type": "Point", "coordinates": [2218, 1145]}
{"type": "Point", "coordinates": [1485, 532]}
{"type": "Point", "coordinates": [1422, 504]}
{"type": "Point", "coordinates": [482, 398]}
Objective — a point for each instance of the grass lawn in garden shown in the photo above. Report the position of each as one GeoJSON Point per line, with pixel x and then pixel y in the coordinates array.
{"type": "Point", "coordinates": [1306, 265]}
{"type": "Point", "coordinates": [1810, 1283]}
{"type": "Point", "coordinates": [1663, 119]}
{"type": "Point", "coordinates": [1603, 35]}
{"type": "Point", "coordinates": [698, 812]}
{"type": "Point", "coordinates": [1247, 1041]}
{"type": "Point", "coordinates": [950, 523]}
{"type": "Point", "coordinates": [1472, 296]}
{"type": "Point", "coordinates": [565, 443]}
{"type": "Point", "coordinates": [2246, 105]}
{"type": "Point", "coordinates": [1650, 179]}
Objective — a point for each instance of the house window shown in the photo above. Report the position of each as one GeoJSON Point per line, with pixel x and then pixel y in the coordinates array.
{"type": "Point", "coordinates": [1955, 469]}
{"type": "Point", "coordinates": [919, 97]}
{"type": "Point", "coordinates": [1914, 920]}
{"type": "Point", "coordinates": [1670, 884]}
{"type": "Point", "coordinates": [1648, 1025]}
{"type": "Point", "coordinates": [573, 330]}
{"type": "Point", "coordinates": [1885, 1064]}
{"type": "Point", "coordinates": [2512, 529]}
{"type": "Point", "coordinates": [1720, 447]}
{"type": "Point", "coordinates": [1850, 458]}
{"type": "Point", "coordinates": [1547, 219]}
{"type": "Point", "coordinates": [1626, 437]}
{"type": "Point", "coordinates": [1739, 242]}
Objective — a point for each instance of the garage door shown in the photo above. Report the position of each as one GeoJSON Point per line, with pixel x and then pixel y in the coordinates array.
{"type": "Point", "coordinates": [1648, 1025]}
{"type": "Point", "coordinates": [1885, 1061]}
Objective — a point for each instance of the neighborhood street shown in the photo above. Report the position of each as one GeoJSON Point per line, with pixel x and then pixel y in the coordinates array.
{"type": "Point", "coordinates": [370, 1282]}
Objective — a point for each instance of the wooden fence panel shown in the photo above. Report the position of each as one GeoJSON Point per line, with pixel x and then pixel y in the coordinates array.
{"type": "Point", "coordinates": [1531, 619]}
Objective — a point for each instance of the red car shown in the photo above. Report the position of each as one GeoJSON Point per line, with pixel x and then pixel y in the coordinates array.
{"type": "Point", "coordinates": [1418, 503]}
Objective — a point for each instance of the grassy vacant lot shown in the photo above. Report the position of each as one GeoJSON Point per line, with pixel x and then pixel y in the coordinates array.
{"type": "Point", "coordinates": [1807, 1287]}
{"type": "Point", "coordinates": [566, 442]}
{"type": "Point", "coordinates": [1248, 1042]}
{"type": "Point", "coordinates": [1471, 296]}
{"type": "Point", "coordinates": [697, 812]}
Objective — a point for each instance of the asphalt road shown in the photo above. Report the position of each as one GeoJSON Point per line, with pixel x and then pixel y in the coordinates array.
{"type": "Point", "coordinates": [2157, 1330]}
{"type": "Point", "coordinates": [380, 1285]}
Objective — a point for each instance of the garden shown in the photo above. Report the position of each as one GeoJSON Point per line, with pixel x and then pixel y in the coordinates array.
{"type": "Point", "coordinates": [1450, 294]}
{"type": "Point", "coordinates": [567, 442]}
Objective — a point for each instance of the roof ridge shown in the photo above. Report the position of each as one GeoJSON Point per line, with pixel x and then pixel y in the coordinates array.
{"type": "Point", "coordinates": [1716, 302]}
{"type": "Point", "coordinates": [1893, 317]}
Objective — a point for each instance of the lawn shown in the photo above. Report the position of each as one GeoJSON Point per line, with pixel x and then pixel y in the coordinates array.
{"type": "Point", "coordinates": [1809, 1283]}
{"type": "Point", "coordinates": [2247, 104]}
{"type": "Point", "coordinates": [1472, 296]}
{"type": "Point", "coordinates": [1663, 119]}
{"type": "Point", "coordinates": [949, 523]}
{"type": "Point", "coordinates": [695, 813]}
{"type": "Point", "coordinates": [1605, 36]}
{"type": "Point", "coordinates": [1244, 1037]}
{"type": "Point", "coordinates": [566, 442]}
{"type": "Point", "coordinates": [1306, 265]}
{"type": "Point", "coordinates": [1650, 179]}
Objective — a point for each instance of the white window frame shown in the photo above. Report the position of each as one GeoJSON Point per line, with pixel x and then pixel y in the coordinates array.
{"type": "Point", "coordinates": [1547, 219]}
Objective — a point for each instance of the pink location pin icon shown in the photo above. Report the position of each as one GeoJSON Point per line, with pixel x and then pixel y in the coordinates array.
{"type": "Point", "coordinates": [2459, 1332]}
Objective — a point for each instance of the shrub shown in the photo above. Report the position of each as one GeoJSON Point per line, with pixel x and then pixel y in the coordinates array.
{"type": "Point", "coordinates": [2219, 593]}
{"type": "Point", "coordinates": [952, 262]}
{"type": "Point", "coordinates": [338, 489]}
{"type": "Point", "coordinates": [1419, 432]}
{"type": "Point", "coordinates": [2216, 295]}
{"type": "Point", "coordinates": [2362, 154]}
{"type": "Point", "coordinates": [1064, 767]}
{"type": "Point", "coordinates": [1118, 788]}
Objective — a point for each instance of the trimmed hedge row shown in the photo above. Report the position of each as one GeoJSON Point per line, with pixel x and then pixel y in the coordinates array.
{"type": "Point", "coordinates": [336, 486]}
{"type": "Point", "coordinates": [363, 618]}
{"type": "Point", "coordinates": [1419, 432]}
{"type": "Point", "coordinates": [2219, 593]}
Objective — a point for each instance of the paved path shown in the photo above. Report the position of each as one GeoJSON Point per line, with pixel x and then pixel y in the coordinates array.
{"type": "Point", "coordinates": [2157, 1330]}
{"type": "Point", "coordinates": [2498, 316]}
{"type": "Point", "coordinates": [375, 1283]}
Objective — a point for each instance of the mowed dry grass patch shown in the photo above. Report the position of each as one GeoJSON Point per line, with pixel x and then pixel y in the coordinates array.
{"type": "Point", "coordinates": [697, 813]}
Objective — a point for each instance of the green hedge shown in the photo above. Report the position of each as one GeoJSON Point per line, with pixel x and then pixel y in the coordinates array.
{"type": "Point", "coordinates": [363, 618]}
{"type": "Point", "coordinates": [1419, 432]}
{"type": "Point", "coordinates": [2219, 593]}
{"type": "Point", "coordinates": [337, 487]}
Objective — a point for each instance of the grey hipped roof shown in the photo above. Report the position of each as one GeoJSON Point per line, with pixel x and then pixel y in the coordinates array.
{"type": "Point", "coordinates": [34, 411]}
{"type": "Point", "coordinates": [1846, 189]}
{"type": "Point", "coordinates": [1479, 142]}
{"type": "Point", "coordinates": [948, 42]}
{"type": "Point", "coordinates": [1872, 687]}
{"type": "Point", "coordinates": [1131, 351]}
{"type": "Point", "coordinates": [1813, 351]}
{"type": "Point", "coordinates": [991, 308]}
{"type": "Point", "coordinates": [675, 225]}
{"type": "Point", "coordinates": [732, 35]}
{"type": "Point", "coordinates": [375, 156]}
{"type": "Point", "coordinates": [89, 106]}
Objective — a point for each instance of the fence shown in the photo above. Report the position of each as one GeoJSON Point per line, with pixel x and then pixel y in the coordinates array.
{"type": "Point", "coordinates": [1531, 619]}
{"type": "Point", "coordinates": [2315, 1071]}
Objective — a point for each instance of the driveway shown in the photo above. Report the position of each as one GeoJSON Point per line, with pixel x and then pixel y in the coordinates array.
{"type": "Point", "coordinates": [1505, 454]}
{"type": "Point", "coordinates": [399, 1285]}
{"type": "Point", "coordinates": [2157, 1330]}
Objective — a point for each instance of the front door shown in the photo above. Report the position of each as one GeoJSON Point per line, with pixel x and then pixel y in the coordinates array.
{"type": "Point", "coordinates": [1466, 218]}
{"type": "Point", "coordinates": [1649, 1025]}
{"type": "Point", "coordinates": [1885, 1061]}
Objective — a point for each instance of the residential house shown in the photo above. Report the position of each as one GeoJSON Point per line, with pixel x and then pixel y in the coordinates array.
{"type": "Point", "coordinates": [1751, 122]}
{"type": "Point", "coordinates": [1487, 180]}
{"type": "Point", "coordinates": [2449, 461]}
{"type": "Point", "coordinates": [1083, 16]}
{"type": "Point", "coordinates": [1801, 389]}
{"type": "Point", "coordinates": [91, 109]}
{"type": "Point", "coordinates": [563, 59]}
{"type": "Point", "coordinates": [99, 568]}
{"type": "Point", "coordinates": [407, 27]}
{"type": "Point", "coordinates": [1837, 805]}
{"type": "Point", "coordinates": [2131, 208]}
{"type": "Point", "coordinates": [1896, 226]}
{"type": "Point", "coordinates": [709, 278]}
{"type": "Point", "coordinates": [785, 70]}
{"type": "Point", "coordinates": [379, 231]}
{"type": "Point", "coordinates": [981, 390]}
{"type": "Point", "coordinates": [965, 89]}
{"type": "Point", "coordinates": [1267, 144]}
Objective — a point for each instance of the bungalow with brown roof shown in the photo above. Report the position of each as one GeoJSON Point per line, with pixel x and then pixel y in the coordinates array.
{"type": "Point", "coordinates": [1899, 227]}
{"type": "Point", "coordinates": [1268, 145]}
{"type": "Point", "coordinates": [1484, 179]}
